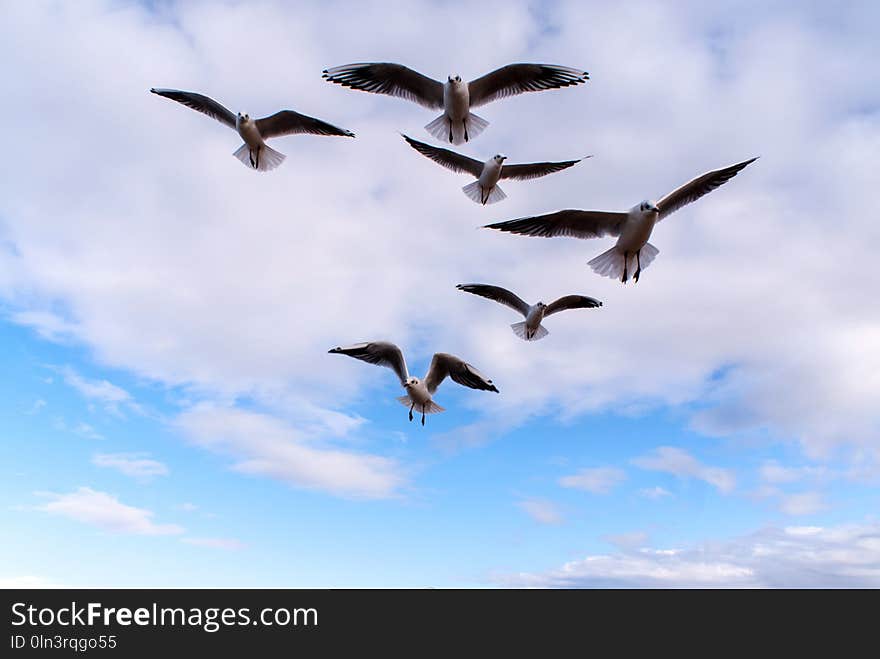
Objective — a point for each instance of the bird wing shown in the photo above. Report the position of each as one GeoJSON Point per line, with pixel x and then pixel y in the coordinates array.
{"type": "Point", "coordinates": [288, 122]}
{"type": "Point", "coordinates": [574, 223]}
{"type": "Point", "coordinates": [200, 103]}
{"type": "Point", "coordinates": [696, 188]}
{"type": "Point", "coordinates": [500, 295]}
{"type": "Point", "coordinates": [392, 79]}
{"type": "Point", "coordinates": [520, 78]}
{"type": "Point", "coordinates": [445, 364]}
{"type": "Point", "coordinates": [449, 159]}
{"type": "Point", "coordinates": [535, 169]}
{"type": "Point", "coordinates": [571, 302]}
{"type": "Point", "coordinates": [380, 353]}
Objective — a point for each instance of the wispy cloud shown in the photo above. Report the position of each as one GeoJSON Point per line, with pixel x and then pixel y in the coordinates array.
{"type": "Point", "coordinates": [109, 395]}
{"type": "Point", "coordinates": [105, 511]}
{"type": "Point", "coordinates": [541, 510]}
{"type": "Point", "coordinates": [598, 480]}
{"type": "Point", "coordinates": [266, 446]}
{"type": "Point", "coordinates": [229, 544]}
{"type": "Point", "coordinates": [135, 465]}
{"type": "Point", "coordinates": [682, 464]}
{"type": "Point", "coordinates": [655, 492]}
{"type": "Point", "coordinates": [791, 557]}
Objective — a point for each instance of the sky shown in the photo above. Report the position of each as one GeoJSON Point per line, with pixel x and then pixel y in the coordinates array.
{"type": "Point", "coordinates": [171, 417]}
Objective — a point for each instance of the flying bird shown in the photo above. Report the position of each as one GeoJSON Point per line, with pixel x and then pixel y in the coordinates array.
{"type": "Point", "coordinates": [485, 189]}
{"type": "Point", "coordinates": [455, 97]}
{"type": "Point", "coordinates": [633, 227]}
{"type": "Point", "coordinates": [255, 153]}
{"type": "Point", "coordinates": [419, 393]}
{"type": "Point", "coordinates": [530, 329]}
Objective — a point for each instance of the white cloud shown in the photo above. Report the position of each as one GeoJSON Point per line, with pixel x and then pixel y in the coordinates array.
{"type": "Point", "coordinates": [264, 445]}
{"type": "Point", "coordinates": [229, 544]}
{"type": "Point", "coordinates": [655, 492]}
{"type": "Point", "coordinates": [85, 430]}
{"type": "Point", "coordinates": [682, 464]}
{"type": "Point", "coordinates": [108, 394]}
{"type": "Point", "coordinates": [542, 511]}
{"type": "Point", "coordinates": [188, 507]}
{"type": "Point", "coordinates": [28, 582]}
{"type": "Point", "coordinates": [135, 465]}
{"type": "Point", "coordinates": [802, 503]}
{"type": "Point", "coordinates": [773, 472]}
{"type": "Point", "coordinates": [35, 407]}
{"type": "Point", "coordinates": [793, 557]}
{"type": "Point", "coordinates": [106, 512]}
{"type": "Point", "coordinates": [598, 480]}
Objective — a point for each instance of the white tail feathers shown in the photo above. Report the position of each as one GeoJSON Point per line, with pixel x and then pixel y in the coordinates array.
{"type": "Point", "coordinates": [610, 263]}
{"type": "Point", "coordinates": [520, 330]}
{"type": "Point", "coordinates": [430, 408]}
{"type": "Point", "coordinates": [475, 192]}
{"type": "Point", "coordinates": [263, 159]}
{"type": "Point", "coordinates": [457, 132]}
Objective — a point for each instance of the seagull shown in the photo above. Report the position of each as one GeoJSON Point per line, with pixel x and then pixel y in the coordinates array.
{"type": "Point", "coordinates": [531, 329]}
{"type": "Point", "coordinates": [457, 124]}
{"type": "Point", "coordinates": [485, 189]}
{"type": "Point", "coordinates": [255, 153]}
{"type": "Point", "coordinates": [418, 392]}
{"type": "Point", "coordinates": [632, 228]}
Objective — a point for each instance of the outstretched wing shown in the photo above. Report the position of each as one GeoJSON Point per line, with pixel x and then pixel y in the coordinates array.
{"type": "Point", "coordinates": [535, 169]}
{"type": "Point", "coordinates": [387, 78]}
{"type": "Point", "coordinates": [520, 78]}
{"type": "Point", "coordinates": [380, 353]}
{"type": "Point", "coordinates": [498, 294]}
{"type": "Point", "coordinates": [200, 103]}
{"type": "Point", "coordinates": [288, 122]}
{"type": "Point", "coordinates": [571, 302]}
{"type": "Point", "coordinates": [449, 159]}
{"type": "Point", "coordinates": [574, 223]}
{"type": "Point", "coordinates": [445, 364]}
{"type": "Point", "coordinates": [696, 188]}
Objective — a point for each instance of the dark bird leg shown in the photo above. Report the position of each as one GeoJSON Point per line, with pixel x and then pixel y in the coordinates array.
{"type": "Point", "coordinates": [423, 415]}
{"type": "Point", "coordinates": [254, 159]}
{"type": "Point", "coordinates": [464, 122]}
{"type": "Point", "coordinates": [625, 260]}
{"type": "Point", "coordinates": [639, 268]}
{"type": "Point", "coordinates": [410, 410]}
{"type": "Point", "coordinates": [450, 132]}
{"type": "Point", "coordinates": [486, 198]}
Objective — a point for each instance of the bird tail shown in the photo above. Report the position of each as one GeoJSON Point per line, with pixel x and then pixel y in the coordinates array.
{"type": "Point", "coordinates": [263, 159]}
{"type": "Point", "coordinates": [520, 330]}
{"type": "Point", "coordinates": [430, 408]}
{"type": "Point", "coordinates": [610, 263]}
{"type": "Point", "coordinates": [474, 191]}
{"type": "Point", "coordinates": [448, 131]}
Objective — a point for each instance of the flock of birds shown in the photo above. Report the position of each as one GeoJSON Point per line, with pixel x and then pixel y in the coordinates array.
{"type": "Point", "coordinates": [457, 124]}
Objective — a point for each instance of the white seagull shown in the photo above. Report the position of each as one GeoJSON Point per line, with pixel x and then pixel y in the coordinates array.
{"type": "Point", "coordinates": [633, 227]}
{"type": "Point", "coordinates": [457, 124]}
{"type": "Point", "coordinates": [419, 392]}
{"type": "Point", "coordinates": [485, 190]}
{"type": "Point", "coordinates": [530, 329]}
{"type": "Point", "coordinates": [255, 153]}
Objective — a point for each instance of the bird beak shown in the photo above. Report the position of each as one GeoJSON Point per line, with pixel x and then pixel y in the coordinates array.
{"type": "Point", "coordinates": [655, 209]}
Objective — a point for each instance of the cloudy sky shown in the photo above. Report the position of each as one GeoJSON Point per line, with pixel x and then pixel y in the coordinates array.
{"type": "Point", "coordinates": [171, 416]}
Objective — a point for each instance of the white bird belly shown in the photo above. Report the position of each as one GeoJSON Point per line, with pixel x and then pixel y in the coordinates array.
{"type": "Point", "coordinates": [636, 232]}
{"type": "Point", "coordinates": [534, 318]}
{"type": "Point", "coordinates": [490, 175]}
{"type": "Point", "coordinates": [419, 394]}
{"type": "Point", "coordinates": [456, 101]}
{"type": "Point", "coordinates": [250, 134]}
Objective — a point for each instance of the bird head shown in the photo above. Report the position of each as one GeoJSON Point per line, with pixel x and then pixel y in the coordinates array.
{"type": "Point", "coordinates": [541, 305]}
{"type": "Point", "coordinates": [455, 79]}
{"type": "Point", "coordinates": [499, 158]}
{"type": "Point", "coordinates": [648, 206]}
{"type": "Point", "coordinates": [411, 382]}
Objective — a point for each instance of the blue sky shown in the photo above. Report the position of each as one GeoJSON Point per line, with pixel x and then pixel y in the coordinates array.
{"type": "Point", "coordinates": [171, 416]}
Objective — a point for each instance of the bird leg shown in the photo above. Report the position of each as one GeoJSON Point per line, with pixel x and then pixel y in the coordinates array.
{"type": "Point", "coordinates": [464, 122]}
{"type": "Point", "coordinates": [639, 268]}
{"type": "Point", "coordinates": [254, 161]}
{"type": "Point", "coordinates": [423, 415]}
{"type": "Point", "coordinates": [625, 260]}
{"type": "Point", "coordinates": [410, 410]}
{"type": "Point", "coordinates": [450, 132]}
